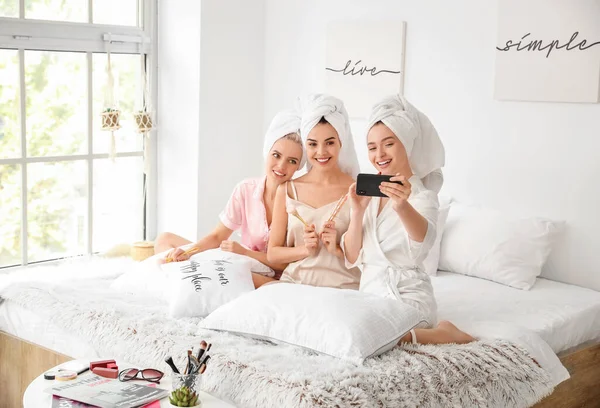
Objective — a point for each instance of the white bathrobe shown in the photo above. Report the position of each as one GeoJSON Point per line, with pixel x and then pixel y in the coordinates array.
{"type": "Point", "coordinates": [392, 263]}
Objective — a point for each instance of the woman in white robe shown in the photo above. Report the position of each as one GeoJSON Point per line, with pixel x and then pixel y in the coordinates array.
{"type": "Point", "coordinates": [388, 238]}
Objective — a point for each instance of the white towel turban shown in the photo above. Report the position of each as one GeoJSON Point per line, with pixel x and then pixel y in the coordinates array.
{"type": "Point", "coordinates": [284, 123]}
{"type": "Point", "coordinates": [416, 132]}
{"type": "Point", "coordinates": [316, 106]}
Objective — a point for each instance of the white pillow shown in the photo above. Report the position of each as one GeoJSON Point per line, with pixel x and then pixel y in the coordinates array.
{"type": "Point", "coordinates": [199, 287]}
{"type": "Point", "coordinates": [255, 266]}
{"type": "Point", "coordinates": [432, 261]}
{"type": "Point", "coordinates": [490, 245]}
{"type": "Point", "coordinates": [149, 279]}
{"type": "Point", "coordinates": [343, 323]}
{"type": "Point", "coordinates": [145, 278]}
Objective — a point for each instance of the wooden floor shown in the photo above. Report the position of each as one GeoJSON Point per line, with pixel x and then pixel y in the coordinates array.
{"type": "Point", "coordinates": [21, 362]}
{"type": "Point", "coordinates": [582, 390]}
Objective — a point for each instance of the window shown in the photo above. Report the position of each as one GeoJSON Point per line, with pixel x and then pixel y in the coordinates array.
{"type": "Point", "coordinates": [60, 192]}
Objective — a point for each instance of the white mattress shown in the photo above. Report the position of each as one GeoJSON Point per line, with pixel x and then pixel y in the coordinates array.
{"type": "Point", "coordinates": [25, 324]}
{"type": "Point", "coordinates": [563, 315]}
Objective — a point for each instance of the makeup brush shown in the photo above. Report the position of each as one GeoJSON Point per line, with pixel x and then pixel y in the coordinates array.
{"type": "Point", "coordinates": [187, 367]}
{"type": "Point", "coordinates": [202, 349]}
{"type": "Point", "coordinates": [204, 364]}
{"type": "Point", "coordinates": [206, 356]}
{"type": "Point", "coordinates": [169, 361]}
{"type": "Point", "coordinates": [338, 207]}
{"type": "Point", "coordinates": [291, 210]}
{"type": "Point", "coordinates": [189, 251]}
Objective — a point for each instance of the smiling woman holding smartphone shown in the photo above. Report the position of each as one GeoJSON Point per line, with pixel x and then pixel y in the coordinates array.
{"type": "Point", "coordinates": [391, 233]}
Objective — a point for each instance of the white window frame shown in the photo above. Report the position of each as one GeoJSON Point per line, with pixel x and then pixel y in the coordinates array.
{"type": "Point", "coordinates": [41, 35]}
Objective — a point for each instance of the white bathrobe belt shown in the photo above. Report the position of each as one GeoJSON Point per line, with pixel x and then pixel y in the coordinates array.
{"type": "Point", "coordinates": [393, 269]}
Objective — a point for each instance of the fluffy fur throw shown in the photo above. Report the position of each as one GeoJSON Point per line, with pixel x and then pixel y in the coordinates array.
{"type": "Point", "coordinates": [253, 373]}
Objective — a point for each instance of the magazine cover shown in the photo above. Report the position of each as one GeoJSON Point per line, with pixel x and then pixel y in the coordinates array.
{"type": "Point", "coordinates": [106, 393]}
{"type": "Point", "coordinates": [62, 402]}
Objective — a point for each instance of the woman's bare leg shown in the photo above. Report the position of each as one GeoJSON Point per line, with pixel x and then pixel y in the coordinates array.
{"type": "Point", "coordinates": [445, 333]}
{"type": "Point", "coordinates": [168, 240]}
{"type": "Point", "coordinates": [260, 280]}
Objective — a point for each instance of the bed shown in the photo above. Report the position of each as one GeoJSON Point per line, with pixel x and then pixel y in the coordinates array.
{"type": "Point", "coordinates": [567, 317]}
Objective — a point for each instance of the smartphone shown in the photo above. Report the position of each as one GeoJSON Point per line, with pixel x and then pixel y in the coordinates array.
{"type": "Point", "coordinates": [368, 184]}
{"type": "Point", "coordinates": [79, 366]}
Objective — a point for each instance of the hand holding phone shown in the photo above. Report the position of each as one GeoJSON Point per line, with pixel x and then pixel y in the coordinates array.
{"type": "Point", "coordinates": [398, 193]}
{"type": "Point", "coordinates": [358, 204]}
{"type": "Point", "coordinates": [368, 184]}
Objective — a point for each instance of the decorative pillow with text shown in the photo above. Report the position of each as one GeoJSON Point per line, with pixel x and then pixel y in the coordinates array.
{"type": "Point", "coordinates": [199, 287]}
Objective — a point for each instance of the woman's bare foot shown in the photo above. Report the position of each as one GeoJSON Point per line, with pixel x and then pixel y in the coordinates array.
{"type": "Point", "coordinates": [445, 333]}
{"type": "Point", "coordinates": [451, 334]}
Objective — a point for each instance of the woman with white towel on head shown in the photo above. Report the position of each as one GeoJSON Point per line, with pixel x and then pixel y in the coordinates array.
{"type": "Point", "coordinates": [312, 250]}
{"type": "Point", "coordinates": [250, 207]}
{"type": "Point", "coordinates": [388, 238]}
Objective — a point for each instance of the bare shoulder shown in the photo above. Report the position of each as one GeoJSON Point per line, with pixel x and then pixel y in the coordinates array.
{"type": "Point", "coordinates": [301, 184]}
{"type": "Point", "coordinates": [281, 190]}
{"type": "Point", "coordinates": [303, 179]}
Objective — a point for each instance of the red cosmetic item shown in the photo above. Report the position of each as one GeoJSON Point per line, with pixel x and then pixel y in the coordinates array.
{"type": "Point", "coordinates": [101, 363]}
{"type": "Point", "coordinates": [106, 372]}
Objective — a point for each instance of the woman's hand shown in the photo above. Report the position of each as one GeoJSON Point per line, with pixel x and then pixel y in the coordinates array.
{"type": "Point", "coordinates": [358, 203]}
{"type": "Point", "coordinates": [311, 241]}
{"type": "Point", "coordinates": [179, 255]}
{"type": "Point", "coordinates": [329, 237]}
{"type": "Point", "coordinates": [399, 194]}
{"type": "Point", "coordinates": [233, 246]}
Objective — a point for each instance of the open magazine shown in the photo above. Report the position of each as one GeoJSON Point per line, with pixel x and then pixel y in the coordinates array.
{"type": "Point", "coordinates": [106, 393]}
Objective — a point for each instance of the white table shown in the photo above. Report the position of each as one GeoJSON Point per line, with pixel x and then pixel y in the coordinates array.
{"type": "Point", "coordinates": [35, 397]}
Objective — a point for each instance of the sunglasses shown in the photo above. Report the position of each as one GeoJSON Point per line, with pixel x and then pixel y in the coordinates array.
{"type": "Point", "coordinates": [148, 374]}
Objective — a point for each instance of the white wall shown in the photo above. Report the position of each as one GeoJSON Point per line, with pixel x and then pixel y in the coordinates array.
{"type": "Point", "coordinates": [211, 71]}
{"type": "Point", "coordinates": [178, 109]}
{"type": "Point", "coordinates": [521, 157]}
{"type": "Point", "coordinates": [231, 101]}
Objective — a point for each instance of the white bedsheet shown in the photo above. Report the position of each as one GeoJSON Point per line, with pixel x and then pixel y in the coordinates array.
{"type": "Point", "coordinates": [563, 315]}
{"type": "Point", "coordinates": [25, 324]}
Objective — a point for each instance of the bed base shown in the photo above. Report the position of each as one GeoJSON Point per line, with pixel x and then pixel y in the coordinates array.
{"type": "Point", "coordinates": [582, 390]}
{"type": "Point", "coordinates": [21, 362]}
